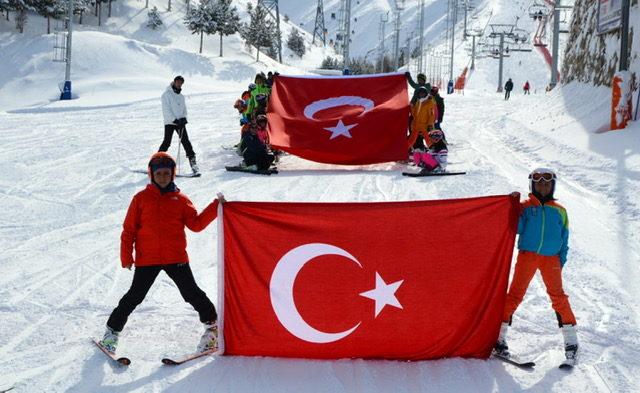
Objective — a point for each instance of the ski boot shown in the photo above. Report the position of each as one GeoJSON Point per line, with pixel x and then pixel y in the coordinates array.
{"type": "Point", "coordinates": [501, 348]}
{"type": "Point", "coordinates": [570, 344]}
{"type": "Point", "coordinates": [194, 166]}
{"type": "Point", "coordinates": [209, 339]}
{"type": "Point", "coordinates": [110, 340]}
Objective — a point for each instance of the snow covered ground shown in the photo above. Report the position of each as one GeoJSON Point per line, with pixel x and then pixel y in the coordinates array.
{"type": "Point", "coordinates": [69, 176]}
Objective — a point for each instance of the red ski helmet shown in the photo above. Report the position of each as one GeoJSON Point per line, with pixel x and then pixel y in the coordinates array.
{"type": "Point", "coordinates": [160, 160]}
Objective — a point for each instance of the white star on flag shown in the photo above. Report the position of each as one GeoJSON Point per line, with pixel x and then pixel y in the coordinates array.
{"type": "Point", "coordinates": [340, 129]}
{"type": "Point", "coordinates": [383, 294]}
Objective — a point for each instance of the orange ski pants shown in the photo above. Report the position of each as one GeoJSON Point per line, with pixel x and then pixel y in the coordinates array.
{"type": "Point", "coordinates": [551, 271]}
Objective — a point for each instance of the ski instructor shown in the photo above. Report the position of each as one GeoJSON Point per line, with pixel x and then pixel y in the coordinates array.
{"type": "Point", "coordinates": [174, 111]}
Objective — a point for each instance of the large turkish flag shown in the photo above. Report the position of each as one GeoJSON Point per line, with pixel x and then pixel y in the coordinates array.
{"type": "Point", "coordinates": [397, 280]}
{"type": "Point", "coordinates": [340, 120]}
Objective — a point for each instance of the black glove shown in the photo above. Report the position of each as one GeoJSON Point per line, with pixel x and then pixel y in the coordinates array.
{"type": "Point", "coordinates": [407, 74]}
{"type": "Point", "coordinates": [176, 122]}
{"type": "Point", "coordinates": [181, 121]}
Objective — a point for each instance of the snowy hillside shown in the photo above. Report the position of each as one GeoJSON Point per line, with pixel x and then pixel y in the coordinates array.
{"type": "Point", "coordinates": [69, 174]}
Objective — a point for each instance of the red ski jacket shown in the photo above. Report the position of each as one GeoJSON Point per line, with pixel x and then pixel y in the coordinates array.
{"type": "Point", "coordinates": [155, 224]}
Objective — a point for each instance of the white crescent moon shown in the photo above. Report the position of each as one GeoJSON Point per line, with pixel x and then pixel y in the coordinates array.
{"type": "Point", "coordinates": [333, 102]}
{"type": "Point", "coordinates": [281, 289]}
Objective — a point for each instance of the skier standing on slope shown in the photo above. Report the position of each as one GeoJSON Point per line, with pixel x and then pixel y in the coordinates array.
{"type": "Point", "coordinates": [543, 229]}
{"type": "Point", "coordinates": [174, 111]}
{"type": "Point", "coordinates": [507, 89]}
{"type": "Point", "coordinates": [154, 226]}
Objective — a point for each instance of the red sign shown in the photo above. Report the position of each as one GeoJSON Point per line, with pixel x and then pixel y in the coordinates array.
{"type": "Point", "coordinates": [340, 120]}
{"type": "Point", "coordinates": [399, 280]}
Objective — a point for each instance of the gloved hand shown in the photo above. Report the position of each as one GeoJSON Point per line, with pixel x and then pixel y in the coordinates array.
{"type": "Point", "coordinates": [176, 122]}
{"type": "Point", "coordinates": [183, 121]}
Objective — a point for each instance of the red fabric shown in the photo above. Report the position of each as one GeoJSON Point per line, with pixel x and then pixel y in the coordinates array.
{"type": "Point", "coordinates": [452, 296]}
{"type": "Point", "coordinates": [155, 224]}
{"type": "Point", "coordinates": [378, 134]}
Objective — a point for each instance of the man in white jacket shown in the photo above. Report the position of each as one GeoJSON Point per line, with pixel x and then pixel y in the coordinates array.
{"type": "Point", "coordinates": [174, 111]}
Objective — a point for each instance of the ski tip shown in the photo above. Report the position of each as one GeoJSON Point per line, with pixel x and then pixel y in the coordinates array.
{"type": "Point", "coordinates": [169, 362]}
{"type": "Point", "coordinates": [566, 367]}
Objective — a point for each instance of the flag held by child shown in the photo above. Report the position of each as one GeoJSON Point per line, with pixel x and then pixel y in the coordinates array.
{"type": "Point", "coordinates": [397, 280]}
{"type": "Point", "coordinates": [340, 120]}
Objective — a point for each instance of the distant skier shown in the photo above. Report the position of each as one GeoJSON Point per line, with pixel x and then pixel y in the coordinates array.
{"type": "Point", "coordinates": [174, 111]}
{"type": "Point", "coordinates": [527, 88]}
{"type": "Point", "coordinates": [507, 89]}
{"type": "Point", "coordinates": [154, 227]}
{"type": "Point", "coordinates": [543, 230]}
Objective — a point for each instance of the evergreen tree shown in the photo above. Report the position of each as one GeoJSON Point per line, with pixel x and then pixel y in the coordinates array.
{"type": "Point", "coordinates": [261, 31]}
{"type": "Point", "coordinates": [330, 63]}
{"type": "Point", "coordinates": [5, 7]}
{"type": "Point", "coordinates": [296, 43]}
{"type": "Point", "coordinates": [21, 7]}
{"type": "Point", "coordinates": [49, 9]}
{"type": "Point", "coordinates": [201, 20]}
{"type": "Point", "coordinates": [227, 19]}
{"type": "Point", "coordinates": [359, 66]}
{"type": "Point", "coordinates": [80, 7]}
{"type": "Point", "coordinates": [154, 20]}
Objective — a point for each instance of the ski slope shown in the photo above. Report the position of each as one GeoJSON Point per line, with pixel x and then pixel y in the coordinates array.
{"type": "Point", "coordinates": [69, 176]}
{"type": "Point", "coordinates": [68, 180]}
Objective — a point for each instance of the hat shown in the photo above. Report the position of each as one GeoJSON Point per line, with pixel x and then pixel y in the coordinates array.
{"type": "Point", "coordinates": [179, 78]}
{"type": "Point", "coordinates": [161, 160]}
{"type": "Point", "coordinates": [422, 76]}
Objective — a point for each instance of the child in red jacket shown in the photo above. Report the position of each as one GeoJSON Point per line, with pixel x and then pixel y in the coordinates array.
{"type": "Point", "coordinates": [154, 226]}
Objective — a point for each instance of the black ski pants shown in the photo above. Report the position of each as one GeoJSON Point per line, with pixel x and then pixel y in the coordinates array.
{"type": "Point", "coordinates": [143, 278]}
{"type": "Point", "coordinates": [182, 133]}
{"type": "Point", "coordinates": [507, 94]}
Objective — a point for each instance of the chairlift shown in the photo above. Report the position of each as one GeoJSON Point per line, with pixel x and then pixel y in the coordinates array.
{"type": "Point", "coordinates": [538, 10]}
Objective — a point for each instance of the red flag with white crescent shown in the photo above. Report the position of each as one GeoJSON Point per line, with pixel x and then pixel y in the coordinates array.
{"type": "Point", "coordinates": [367, 280]}
{"type": "Point", "coordinates": [340, 120]}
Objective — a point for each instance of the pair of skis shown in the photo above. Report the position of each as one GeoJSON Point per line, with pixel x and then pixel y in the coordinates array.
{"type": "Point", "coordinates": [124, 361]}
{"type": "Point", "coordinates": [565, 365]}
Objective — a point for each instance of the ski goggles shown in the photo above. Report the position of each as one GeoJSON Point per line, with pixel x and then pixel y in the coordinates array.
{"type": "Point", "coordinates": [161, 162]}
{"type": "Point", "coordinates": [536, 177]}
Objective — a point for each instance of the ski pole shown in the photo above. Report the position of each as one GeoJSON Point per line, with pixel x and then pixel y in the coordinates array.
{"type": "Point", "coordinates": [179, 144]}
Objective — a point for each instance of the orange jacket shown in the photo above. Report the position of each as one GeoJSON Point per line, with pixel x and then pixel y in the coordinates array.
{"type": "Point", "coordinates": [424, 115]}
{"type": "Point", "coordinates": [155, 224]}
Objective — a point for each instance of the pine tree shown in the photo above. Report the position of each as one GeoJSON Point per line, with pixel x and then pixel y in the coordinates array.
{"type": "Point", "coordinates": [21, 7]}
{"type": "Point", "coordinates": [80, 7]}
{"type": "Point", "coordinates": [261, 31]}
{"type": "Point", "coordinates": [154, 20]}
{"type": "Point", "coordinates": [330, 63]}
{"type": "Point", "coordinates": [201, 20]}
{"type": "Point", "coordinates": [296, 43]}
{"type": "Point", "coordinates": [49, 9]}
{"type": "Point", "coordinates": [227, 19]}
{"type": "Point", "coordinates": [5, 7]}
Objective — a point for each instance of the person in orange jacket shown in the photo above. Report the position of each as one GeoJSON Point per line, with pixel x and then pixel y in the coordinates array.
{"type": "Point", "coordinates": [154, 226]}
{"type": "Point", "coordinates": [423, 114]}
